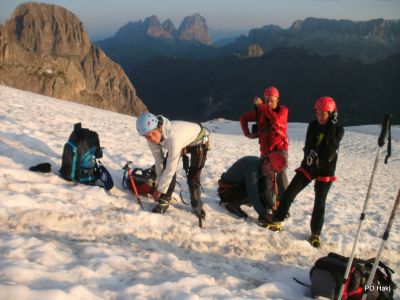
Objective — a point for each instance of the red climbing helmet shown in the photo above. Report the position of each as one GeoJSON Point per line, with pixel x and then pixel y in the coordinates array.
{"type": "Point", "coordinates": [325, 103]}
{"type": "Point", "coordinates": [271, 91]}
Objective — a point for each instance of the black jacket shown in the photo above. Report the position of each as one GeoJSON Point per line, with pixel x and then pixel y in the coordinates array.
{"type": "Point", "coordinates": [324, 140]}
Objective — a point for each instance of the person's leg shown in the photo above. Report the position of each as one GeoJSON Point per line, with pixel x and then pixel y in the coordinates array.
{"type": "Point", "coordinates": [233, 198]}
{"type": "Point", "coordinates": [198, 156]}
{"type": "Point", "coordinates": [171, 188]}
{"type": "Point", "coordinates": [282, 182]}
{"type": "Point", "coordinates": [298, 183]}
{"type": "Point", "coordinates": [317, 218]}
{"type": "Point", "coordinates": [165, 198]}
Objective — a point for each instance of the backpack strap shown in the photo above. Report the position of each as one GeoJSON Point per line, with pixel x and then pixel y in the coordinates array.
{"type": "Point", "coordinates": [76, 163]}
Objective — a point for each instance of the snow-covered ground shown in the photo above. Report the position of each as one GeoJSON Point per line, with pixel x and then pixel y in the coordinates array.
{"type": "Point", "coordinates": [64, 241]}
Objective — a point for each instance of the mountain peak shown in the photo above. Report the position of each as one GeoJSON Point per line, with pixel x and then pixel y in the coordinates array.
{"type": "Point", "coordinates": [195, 27]}
{"type": "Point", "coordinates": [48, 29]}
{"type": "Point", "coordinates": [169, 27]}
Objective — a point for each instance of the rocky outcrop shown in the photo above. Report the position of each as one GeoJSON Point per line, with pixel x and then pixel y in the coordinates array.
{"type": "Point", "coordinates": [255, 50]}
{"type": "Point", "coordinates": [195, 28]}
{"type": "Point", "coordinates": [45, 49]}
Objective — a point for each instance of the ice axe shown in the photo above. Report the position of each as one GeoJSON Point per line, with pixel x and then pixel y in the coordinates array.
{"type": "Point", "coordinates": [129, 170]}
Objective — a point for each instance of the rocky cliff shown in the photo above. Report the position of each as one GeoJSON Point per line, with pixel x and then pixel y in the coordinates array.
{"type": "Point", "coordinates": [45, 49]}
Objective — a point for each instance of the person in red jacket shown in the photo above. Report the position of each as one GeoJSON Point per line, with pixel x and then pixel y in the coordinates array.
{"type": "Point", "coordinates": [271, 119]}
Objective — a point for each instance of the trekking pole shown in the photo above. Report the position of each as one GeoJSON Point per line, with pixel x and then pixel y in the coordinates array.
{"type": "Point", "coordinates": [381, 142]}
{"type": "Point", "coordinates": [385, 237]}
{"type": "Point", "coordinates": [126, 167]}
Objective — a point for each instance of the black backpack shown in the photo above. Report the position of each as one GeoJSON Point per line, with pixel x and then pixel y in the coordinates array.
{"type": "Point", "coordinates": [327, 274]}
{"type": "Point", "coordinates": [80, 154]}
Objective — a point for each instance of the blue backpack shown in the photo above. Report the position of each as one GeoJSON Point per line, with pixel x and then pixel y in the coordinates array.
{"type": "Point", "coordinates": [80, 154]}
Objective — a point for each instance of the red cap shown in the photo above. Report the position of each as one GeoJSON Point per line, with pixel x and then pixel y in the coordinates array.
{"type": "Point", "coordinates": [277, 161]}
{"type": "Point", "coordinates": [325, 104]}
{"type": "Point", "coordinates": [271, 91]}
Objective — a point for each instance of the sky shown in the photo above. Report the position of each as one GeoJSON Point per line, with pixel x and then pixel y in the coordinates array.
{"type": "Point", "coordinates": [102, 18]}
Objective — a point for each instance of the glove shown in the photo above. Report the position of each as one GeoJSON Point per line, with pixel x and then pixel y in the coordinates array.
{"type": "Point", "coordinates": [311, 157]}
{"type": "Point", "coordinates": [257, 101]}
{"type": "Point", "coordinates": [334, 117]}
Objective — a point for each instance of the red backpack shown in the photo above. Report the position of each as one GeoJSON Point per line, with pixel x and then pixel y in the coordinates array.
{"type": "Point", "coordinates": [145, 180]}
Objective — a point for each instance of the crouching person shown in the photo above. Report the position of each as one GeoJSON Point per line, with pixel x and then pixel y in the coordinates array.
{"type": "Point", "coordinates": [249, 181]}
{"type": "Point", "coordinates": [168, 140]}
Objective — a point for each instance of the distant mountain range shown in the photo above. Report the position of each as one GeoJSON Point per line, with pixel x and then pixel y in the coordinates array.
{"type": "Point", "coordinates": [45, 49]}
{"type": "Point", "coordinates": [368, 41]}
{"type": "Point", "coordinates": [224, 87]}
{"type": "Point", "coordinates": [136, 42]}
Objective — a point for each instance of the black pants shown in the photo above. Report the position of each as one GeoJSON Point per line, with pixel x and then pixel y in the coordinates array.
{"type": "Point", "coordinates": [236, 195]}
{"type": "Point", "coordinates": [298, 183]}
{"type": "Point", "coordinates": [193, 168]}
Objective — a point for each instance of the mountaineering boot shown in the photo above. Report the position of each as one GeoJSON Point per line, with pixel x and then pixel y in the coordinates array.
{"type": "Point", "coordinates": [315, 240]}
{"type": "Point", "coordinates": [197, 209]}
{"type": "Point", "coordinates": [162, 206]}
{"type": "Point", "coordinates": [274, 226]}
{"type": "Point", "coordinates": [195, 201]}
{"type": "Point", "coordinates": [270, 222]}
{"type": "Point", "coordinates": [199, 212]}
{"type": "Point", "coordinates": [236, 210]}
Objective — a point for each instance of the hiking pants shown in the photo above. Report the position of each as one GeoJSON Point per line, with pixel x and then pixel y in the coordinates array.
{"type": "Point", "coordinates": [193, 168]}
{"type": "Point", "coordinates": [198, 157]}
{"type": "Point", "coordinates": [298, 183]}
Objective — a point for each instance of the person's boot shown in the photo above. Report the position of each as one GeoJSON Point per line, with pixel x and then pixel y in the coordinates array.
{"type": "Point", "coordinates": [195, 201]}
{"type": "Point", "coordinates": [270, 222]}
{"type": "Point", "coordinates": [236, 210]}
{"type": "Point", "coordinates": [197, 209]}
{"type": "Point", "coordinates": [162, 205]}
{"type": "Point", "coordinates": [315, 240]}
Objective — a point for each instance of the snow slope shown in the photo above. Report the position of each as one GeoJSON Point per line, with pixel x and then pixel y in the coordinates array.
{"type": "Point", "coordinates": [64, 241]}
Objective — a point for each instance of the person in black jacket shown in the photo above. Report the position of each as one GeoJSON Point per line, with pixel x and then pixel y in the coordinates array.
{"type": "Point", "coordinates": [319, 164]}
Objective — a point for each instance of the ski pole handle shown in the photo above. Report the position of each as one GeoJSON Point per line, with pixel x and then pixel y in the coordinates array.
{"type": "Point", "coordinates": [384, 130]}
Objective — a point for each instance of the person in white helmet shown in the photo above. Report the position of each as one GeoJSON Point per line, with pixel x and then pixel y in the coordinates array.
{"type": "Point", "coordinates": [168, 141]}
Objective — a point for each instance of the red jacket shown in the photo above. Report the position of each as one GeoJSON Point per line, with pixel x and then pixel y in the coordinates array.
{"type": "Point", "coordinates": [272, 127]}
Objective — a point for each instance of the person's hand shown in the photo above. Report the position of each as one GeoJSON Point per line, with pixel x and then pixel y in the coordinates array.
{"type": "Point", "coordinates": [334, 117]}
{"type": "Point", "coordinates": [252, 135]}
{"type": "Point", "coordinates": [312, 155]}
{"type": "Point", "coordinates": [156, 195]}
{"type": "Point", "coordinates": [257, 101]}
